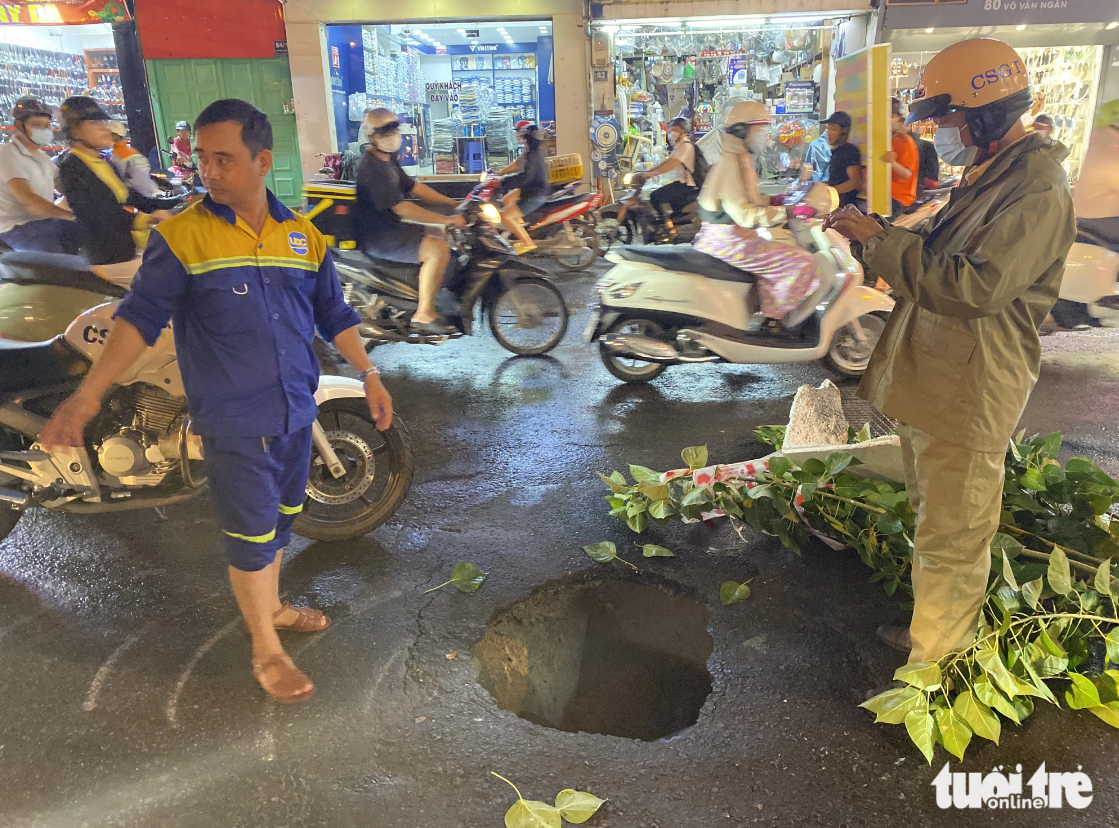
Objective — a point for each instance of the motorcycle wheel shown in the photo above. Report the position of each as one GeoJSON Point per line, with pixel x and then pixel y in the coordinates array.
{"type": "Point", "coordinates": [583, 229]}
{"type": "Point", "coordinates": [379, 468]}
{"type": "Point", "coordinates": [625, 368]}
{"type": "Point", "coordinates": [529, 317]}
{"type": "Point", "coordinates": [607, 229]}
{"type": "Point", "coordinates": [850, 356]}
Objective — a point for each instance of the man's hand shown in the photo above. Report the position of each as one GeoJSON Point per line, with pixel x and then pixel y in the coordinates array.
{"type": "Point", "coordinates": [159, 215]}
{"type": "Point", "coordinates": [852, 224]}
{"type": "Point", "coordinates": [380, 403]}
{"type": "Point", "coordinates": [457, 220]}
{"type": "Point", "coordinates": [67, 426]}
{"type": "Point", "coordinates": [890, 157]}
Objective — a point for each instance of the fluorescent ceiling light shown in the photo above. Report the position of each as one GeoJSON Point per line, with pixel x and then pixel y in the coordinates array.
{"type": "Point", "coordinates": [929, 30]}
{"type": "Point", "coordinates": [417, 31]}
{"type": "Point", "coordinates": [1112, 25]}
{"type": "Point", "coordinates": [1020, 27]}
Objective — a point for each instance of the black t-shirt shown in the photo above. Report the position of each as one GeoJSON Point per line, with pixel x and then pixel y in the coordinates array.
{"type": "Point", "coordinates": [381, 185]}
{"type": "Point", "coordinates": [535, 173]}
{"type": "Point", "coordinates": [842, 157]}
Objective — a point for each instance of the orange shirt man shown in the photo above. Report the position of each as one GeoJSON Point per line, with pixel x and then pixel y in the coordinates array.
{"type": "Point", "coordinates": [904, 161]}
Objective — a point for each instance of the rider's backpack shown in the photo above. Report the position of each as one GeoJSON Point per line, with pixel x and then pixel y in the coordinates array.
{"type": "Point", "coordinates": [699, 174]}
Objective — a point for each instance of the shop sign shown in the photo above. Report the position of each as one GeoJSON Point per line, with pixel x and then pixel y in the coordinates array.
{"type": "Point", "coordinates": [492, 48]}
{"type": "Point", "coordinates": [800, 97]}
{"type": "Point", "coordinates": [601, 75]}
{"type": "Point", "coordinates": [923, 14]}
{"type": "Point", "coordinates": [56, 14]}
{"type": "Point", "coordinates": [443, 91]}
{"type": "Point", "coordinates": [738, 70]}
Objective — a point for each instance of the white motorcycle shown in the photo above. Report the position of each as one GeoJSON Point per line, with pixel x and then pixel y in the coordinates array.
{"type": "Point", "coordinates": [672, 305]}
{"type": "Point", "coordinates": [1088, 289]}
{"type": "Point", "coordinates": [142, 454]}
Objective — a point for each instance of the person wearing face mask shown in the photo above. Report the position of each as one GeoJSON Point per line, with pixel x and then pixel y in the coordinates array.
{"type": "Point", "coordinates": [679, 168]}
{"type": "Point", "coordinates": [961, 352]}
{"type": "Point", "coordinates": [29, 218]}
{"type": "Point", "coordinates": [382, 212]}
{"type": "Point", "coordinates": [107, 212]}
{"type": "Point", "coordinates": [731, 208]}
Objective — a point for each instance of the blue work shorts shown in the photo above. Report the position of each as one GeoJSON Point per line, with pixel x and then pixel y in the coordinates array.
{"type": "Point", "coordinates": [257, 485]}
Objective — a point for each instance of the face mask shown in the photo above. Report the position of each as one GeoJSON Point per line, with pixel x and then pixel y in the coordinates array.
{"type": "Point", "coordinates": [758, 144]}
{"type": "Point", "coordinates": [388, 143]}
{"type": "Point", "coordinates": [42, 137]}
{"type": "Point", "coordinates": [951, 149]}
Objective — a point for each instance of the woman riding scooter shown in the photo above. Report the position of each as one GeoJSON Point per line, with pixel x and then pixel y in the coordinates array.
{"type": "Point", "coordinates": [108, 213]}
{"type": "Point", "coordinates": [527, 190]}
{"type": "Point", "coordinates": [731, 206]}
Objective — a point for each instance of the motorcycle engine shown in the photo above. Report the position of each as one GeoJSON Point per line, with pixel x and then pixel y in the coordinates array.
{"type": "Point", "coordinates": [143, 451]}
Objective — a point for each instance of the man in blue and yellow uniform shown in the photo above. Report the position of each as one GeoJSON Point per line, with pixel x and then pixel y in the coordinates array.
{"type": "Point", "coordinates": [246, 282]}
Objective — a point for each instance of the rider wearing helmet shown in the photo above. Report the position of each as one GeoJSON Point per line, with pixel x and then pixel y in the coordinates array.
{"type": "Point", "coordinates": [960, 353]}
{"type": "Point", "coordinates": [1096, 197]}
{"type": "Point", "coordinates": [29, 218]}
{"type": "Point", "coordinates": [731, 207]}
{"type": "Point", "coordinates": [382, 186]}
{"type": "Point", "coordinates": [130, 163]}
{"type": "Point", "coordinates": [107, 211]}
{"type": "Point", "coordinates": [680, 190]}
{"type": "Point", "coordinates": [526, 188]}
{"type": "Point", "coordinates": [181, 147]}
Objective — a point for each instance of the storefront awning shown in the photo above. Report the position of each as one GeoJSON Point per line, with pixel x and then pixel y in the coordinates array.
{"type": "Point", "coordinates": [22, 13]}
{"type": "Point", "coordinates": [920, 14]}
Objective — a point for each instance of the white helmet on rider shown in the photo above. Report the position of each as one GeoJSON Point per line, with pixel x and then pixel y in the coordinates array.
{"type": "Point", "coordinates": [739, 121]}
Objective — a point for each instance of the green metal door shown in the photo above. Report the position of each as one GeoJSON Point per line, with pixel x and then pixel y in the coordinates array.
{"type": "Point", "coordinates": [183, 88]}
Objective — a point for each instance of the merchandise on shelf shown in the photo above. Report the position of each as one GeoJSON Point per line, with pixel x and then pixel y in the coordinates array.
{"type": "Point", "coordinates": [52, 77]}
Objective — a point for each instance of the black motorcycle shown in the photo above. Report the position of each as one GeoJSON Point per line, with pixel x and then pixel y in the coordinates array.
{"type": "Point", "coordinates": [632, 220]}
{"type": "Point", "coordinates": [526, 311]}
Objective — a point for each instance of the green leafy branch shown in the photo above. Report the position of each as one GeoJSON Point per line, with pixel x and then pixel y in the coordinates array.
{"type": "Point", "coordinates": [1049, 616]}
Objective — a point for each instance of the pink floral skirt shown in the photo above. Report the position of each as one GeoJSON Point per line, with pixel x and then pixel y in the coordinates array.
{"type": "Point", "coordinates": [785, 274]}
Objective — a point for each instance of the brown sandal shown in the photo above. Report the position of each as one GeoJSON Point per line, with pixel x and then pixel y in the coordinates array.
{"type": "Point", "coordinates": [285, 690]}
{"type": "Point", "coordinates": [307, 620]}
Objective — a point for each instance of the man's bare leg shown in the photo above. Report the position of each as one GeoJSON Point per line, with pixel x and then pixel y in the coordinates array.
{"type": "Point", "coordinates": [434, 255]}
{"type": "Point", "coordinates": [258, 599]}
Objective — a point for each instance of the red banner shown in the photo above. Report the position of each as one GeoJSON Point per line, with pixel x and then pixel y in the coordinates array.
{"type": "Point", "coordinates": [75, 12]}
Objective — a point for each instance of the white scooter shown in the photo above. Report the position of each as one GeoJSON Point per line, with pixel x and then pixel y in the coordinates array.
{"type": "Point", "coordinates": [1088, 290]}
{"type": "Point", "coordinates": [673, 305]}
{"type": "Point", "coordinates": [141, 451]}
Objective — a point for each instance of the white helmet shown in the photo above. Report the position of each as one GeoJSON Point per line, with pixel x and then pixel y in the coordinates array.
{"type": "Point", "coordinates": [738, 119]}
{"type": "Point", "coordinates": [118, 129]}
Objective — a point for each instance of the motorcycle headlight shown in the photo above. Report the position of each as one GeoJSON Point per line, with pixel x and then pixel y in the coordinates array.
{"type": "Point", "coordinates": [625, 291]}
{"type": "Point", "coordinates": [491, 214]}
{"type": "Point", "coordinates": [628, 179]}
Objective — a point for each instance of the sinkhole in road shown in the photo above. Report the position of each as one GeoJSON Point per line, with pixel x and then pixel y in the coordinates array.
{"type": "Point", "coordinates": [621, 658]}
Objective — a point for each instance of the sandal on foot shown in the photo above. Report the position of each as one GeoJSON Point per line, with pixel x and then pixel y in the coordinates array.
{"type": "Point", "coordinates": [306, 620]}
{"type": "Point", "coordinates": [290, 680]}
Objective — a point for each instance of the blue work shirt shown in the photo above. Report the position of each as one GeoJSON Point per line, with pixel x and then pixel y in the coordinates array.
{"type": "Point", "coordinates": [245, 309]}
{"type": "Point", "coordinates": [819, 156]}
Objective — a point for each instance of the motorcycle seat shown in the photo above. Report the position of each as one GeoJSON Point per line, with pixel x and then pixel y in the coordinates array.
{"type": "Point", "coordinates": [55, 270]}
{"type": "Point", "coordinates": [686, 259]}
{"type": "Point", "coordinates": [404, 272]}
{"type": "Point", "coordinates": [27, 365]}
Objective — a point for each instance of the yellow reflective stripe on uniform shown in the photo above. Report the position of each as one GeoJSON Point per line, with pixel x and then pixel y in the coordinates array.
{"type": "Point", "coordinates": [252, 261]}
{"type": "Point", "coordinates": [291, 510]}
{"type": "Point", "coordinates": [253, 538]}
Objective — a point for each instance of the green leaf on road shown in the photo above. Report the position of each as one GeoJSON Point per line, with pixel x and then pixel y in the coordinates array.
{"type": "Point", "coordinates": [605, 552]}
{"type": "Point", "coordinates": [1107, 712]}
{"type": "Point", "coordinates": [1031, 592]}
{"type": "Point", "coordinates": [465, 577]}
{"type": "Point", "coordinates": [1033, 481]}
{"type": "Point", "coordinates": [577, 806]}
{"type": "Point", "coordinates": [653, 490]}
{"type": "Point", "coordinates": [651, 550]}
{"type": "Point", "coordinates": [695, 456]}
{"type": "Point", "coordinates": [1082, 694]}
{"type": "Point", "coordinates": [732, 592]}
{"type": "Point", "coordinates": [1112, 642]}
{"type": "Point", "coordinates": [529, 813]}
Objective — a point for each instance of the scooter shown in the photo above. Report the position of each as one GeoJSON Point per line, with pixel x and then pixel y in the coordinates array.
{"type": "Point", "coordinates": [1088, 296]}
{"type": "Point", "coordinates": [563, 229]}
{"type": "Point", "coordinates": [633, 220]}
{"type": "Point", "coordinates": [141, 452]}
{"type": "Point", "coordinates": [527, 313]}
{"type": "Point", "coordinates": [662, 306]}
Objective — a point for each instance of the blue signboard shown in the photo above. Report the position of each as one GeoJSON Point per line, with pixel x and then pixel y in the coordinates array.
{"type": "Point", "coordinates": [492, 48]}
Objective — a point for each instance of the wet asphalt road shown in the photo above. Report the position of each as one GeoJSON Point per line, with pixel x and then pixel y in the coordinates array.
{"type": "Point", "coordinates": [126, 698]}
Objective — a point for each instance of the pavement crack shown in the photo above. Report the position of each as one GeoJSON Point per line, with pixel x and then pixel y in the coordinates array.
{"type": "Point", "coordinates": [410, 667]}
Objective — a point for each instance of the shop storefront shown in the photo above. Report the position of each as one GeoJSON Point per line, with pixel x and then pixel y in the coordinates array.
{"type": "Point", "coordinates": [645, 72]}
{"type": "Point", "coordinates": [1064, 46]}
{"type": "Point", "coordinates": [57, 50]}
{"type": "Point", "coordinates": [459, 89]}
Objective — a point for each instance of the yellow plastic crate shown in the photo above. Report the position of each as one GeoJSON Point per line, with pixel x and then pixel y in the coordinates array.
{"type": "Point", "coordinates": [563, 169]}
